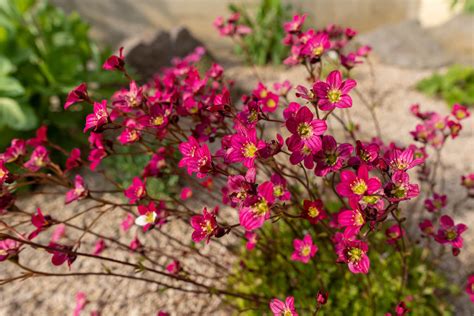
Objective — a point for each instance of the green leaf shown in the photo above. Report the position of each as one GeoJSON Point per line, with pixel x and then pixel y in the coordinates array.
{"type": "Point", "coordinates": [6, 66]}
{"type": "Point", "coordinates": [16, 116]}
{"type": "Point", "coordinates": [10, 87]}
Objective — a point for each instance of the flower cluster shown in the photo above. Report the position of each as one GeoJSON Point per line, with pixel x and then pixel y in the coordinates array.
{"type": "Point", "coordinates": [269, 157]}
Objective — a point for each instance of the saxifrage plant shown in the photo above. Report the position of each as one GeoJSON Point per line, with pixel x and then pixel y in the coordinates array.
{"type": "Point", "coordinates": [324, 215]}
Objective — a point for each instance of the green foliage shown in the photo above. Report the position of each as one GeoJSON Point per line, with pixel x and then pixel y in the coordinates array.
{"type": "Point", "coordinates": [455, 86]}
{"type": "Point", "coordinates": [44, 53]}
{"type": "Point", "coordinates": [264, 44]}
{"type": "Point", "coordinates": [268, 271]}
{"type": "Point", "coordinates": [468, 5]}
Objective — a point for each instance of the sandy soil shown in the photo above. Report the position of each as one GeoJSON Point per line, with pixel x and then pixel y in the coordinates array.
{"type": "Point", "coordinates": [124, 297]}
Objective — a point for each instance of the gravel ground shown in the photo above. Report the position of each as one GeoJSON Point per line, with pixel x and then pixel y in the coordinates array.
{"type": "Point", "coordinates": [124, 297]}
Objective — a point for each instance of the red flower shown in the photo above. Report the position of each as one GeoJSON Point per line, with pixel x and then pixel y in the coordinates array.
{"type": "Point", "coordinates": [115, 62]}
{"type": "Point", "coordinates": [78, 94]}
{"type": "Point", "coordinates": [61, 254]}
{"type": "Point", "coordinates": [470, 287]}
{"type": "Point", "coordinates": [314, 211]}
{"type": "Point", "coordinates": [40, 221]}
{"type": "Point", "coordinates": [136, 191]}
{"type": "Point", "coordinates": [450, 233]}
{"type": "Point", "coordinates": [74, 159]}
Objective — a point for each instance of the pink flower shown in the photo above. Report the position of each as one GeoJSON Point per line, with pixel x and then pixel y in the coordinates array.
{"type": "Point", "coordinates": [79, 192]}
{"type": "Point", "coordinates": [196, 158]}
{"type": "Point", "coordinates": [354, 253]}
{"type": "Point", "coordinates": [316, 46]}
{"type": "Point", "coordinates": [352, 219]}
{"type": "Point", "coordinates": [467, 181]}
{"type": "Point", "coordinates": [78, 94]}
{"type": "Point", "coordinates": [304, 249]}
{"type": "Point", "coordinates": [156, 164]}
{"type": "Point", "coordinates": [99, 247]}
{"type": "Point", "coordinates": [99, 118]}
{"type": "Point", "coordinates": [16, 150]}
{"type": "Point", "coordinates": [306, 130]}
{"type": "Point", "coordinates": [267, 99]}
{"type": "Point", "coordinates": [8, 248]}
{"type": "Point", "coordinates": [131, 133]}
{"type": "Point", "coordinates": [174, 267]}
{"type": "Point", "coordinates": [450, 233]}
{"type": "Point", "coordinates": [5, 175]}
{"type": "Point", "coordinates": [245, 147]}
{"type": "Point", "coordinates": [135, 244]}
{"type": "Point", "coordinates": [322, 297]}
{"type": "Point", "coordinates": [40, 138]}
{"type": "Point", "coordinates": [81, 302]}
{"type": "Point", "coordinates": [469, 287]}
{"type": "Point", "coordinates": [204, 225]}
{"type": "Point", "coordinates": [294, 26]}
{"type": "Point", "coordinates": [394, 233]}
{"type": "Point", "coordinates": [334, 92]}
{"type": "Point", "coordinates": [332, 156]}
{"type": "Point", "coordinates": [402, 160]}
{"type": "Point", "coordinates": [253, 217]}
{"type": "Point", "coordinates": [115, 62]}
{"type": "Point", "coordinates": [426, 226]}
{"type": "Point", "coordinates": [460, 112]}
{"type": "Point", "coordinates": [279, 188]}
{"type": "Point", "coordinates": [61, 254]}
{"type": "Point", "coordinates": [128, 99]}
{"type": "Point", "coordinates": [251, 240]}
{"type": "Point", "coordinates": [355, 186]}
{"type": "Point", "coordinates": [58, 233]}
{"type": "Point", "coordinates": [400, 188]}
{"type": "Point", "coordinates": [127, 222]}
{"type": "Point", "coordinates": [74, 159]}
{"type": "Point", "coordinates": [436, 203]}
{"type": "Point", "coordinates": [39, 159]}
{"type": "Point", "coordinates": [186, 193]}
{"type": "Point", "coordinates": [286, 308]}
{"type": "Point", "coordinates": [282, 88]}
{"type": "Point", "coordinates": [136, 191]}
{"type": "Point", "coordinates": [40, 221]}
{"type": "Point", "coordinates": [313, 211]}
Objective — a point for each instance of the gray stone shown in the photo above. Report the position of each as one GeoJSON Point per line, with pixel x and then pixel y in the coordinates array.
{"type": "Point", "coordinates": [406, 44]}
{"type": "Point", "coordinates": [457, 37]}
{"type": "Point", "coordinates": [148, 53]}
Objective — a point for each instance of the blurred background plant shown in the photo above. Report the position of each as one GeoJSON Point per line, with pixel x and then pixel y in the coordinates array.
{"type": "Point", "coordinates": [264, 43]}
{"type": "Point", "coordinates": [468, 5]}
{"type": "Point", "coordinates": [456, 85]}
{"type": "Point", "coordinates": [44, 53]}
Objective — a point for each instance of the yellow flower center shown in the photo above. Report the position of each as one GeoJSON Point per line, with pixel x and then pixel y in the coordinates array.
{"type": "Point", "coordinates": [355, 254]}
{"type": "Point", "coordinates": [359, 187]}
{"type": "Point", "coordinates": [334, 95]}
{"type": "Point", "coordinates": [39, 162]}
{"type": "Point", "coordinates": [150, 217]}
{"type": "Point", "coordinates": [271, 103]}
{"type": "Point", "coordinates": [207, 227]}
{"type": "Point", "coordinates": [253, 116]}
{"type": "Point", "coordinates": [451, 234]}
{"type": "Point", "coordinates": [317, 51]}
{"type": "Point", "coordinates": [331, 159]}
{"type": "Point", "coordinates": [100, 114]}
{"type": "Point", "coordinates": [2, 173]}
{"type": "Point", "coordinates": [287, 313]}
{"type": "Point", "coordinates": [359, 219]}
{"type": "Point", "coordinates": [370, 199]}
{"type": "Point", "coordinates": [263, 94]}
{"type": "Point", "coordinates": [249, 150]}
{"type": "Point", "coordinates": [261, 208]}
{"type": "Point", "coordinates": [133, 136]}
{"type": "Point", "coordinates": [278, 190]}
{"type": "Point", "coordinates": [304, 130]}
{"type": "Point", "coordinates": [158, 120]}
{"type": "Point", "coordinates": [313, 211]}
{"type": "Point", "coordinates": [306, 251]}
{"type": "Point", "coordinates": [306, 150]}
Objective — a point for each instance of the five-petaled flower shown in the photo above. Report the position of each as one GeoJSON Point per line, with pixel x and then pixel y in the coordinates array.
{"type": "Point", "coordinates": [286, 308]}
{"type": "Point", "coordinates": [304, 249]}
{"type": "Point", "coordinates": [205, 225]}
{"type": "Point", "coordinates": [334, 92]}
{"type": "Point", "coordinates": [99, 118]}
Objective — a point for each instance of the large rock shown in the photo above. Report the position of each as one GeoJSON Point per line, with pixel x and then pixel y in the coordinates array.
{"type": "Point", "coordinates": [457, 37]}
{"type": "Point", "coordinates": [148, 53]}
{"type": "Point", "coordinates": [406, 44]}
